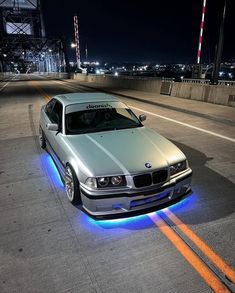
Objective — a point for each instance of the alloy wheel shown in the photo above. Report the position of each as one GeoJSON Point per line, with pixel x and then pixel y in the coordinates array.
{"type": "Point", "coordinates": [69, 184]}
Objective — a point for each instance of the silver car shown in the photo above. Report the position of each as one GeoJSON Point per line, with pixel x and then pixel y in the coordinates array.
{"type": "Point", "coordinates": [110, 163]}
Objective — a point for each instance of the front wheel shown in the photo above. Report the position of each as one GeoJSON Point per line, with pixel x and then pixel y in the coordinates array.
{"type": "Point", "coordinates": [72, 186]}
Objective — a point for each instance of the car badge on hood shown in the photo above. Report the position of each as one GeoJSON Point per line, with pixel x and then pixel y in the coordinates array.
{"type": "Point", "coordinates": [148, 165]}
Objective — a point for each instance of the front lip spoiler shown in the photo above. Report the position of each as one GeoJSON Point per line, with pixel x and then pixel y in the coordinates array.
{"type": "Point", "coordinates": [149, 192]}
{"type": "Point", "coordinates": [138, 212]}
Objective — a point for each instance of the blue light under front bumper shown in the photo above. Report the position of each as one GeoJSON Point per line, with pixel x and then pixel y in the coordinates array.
{"type": "Point", "coordinates": [136, 200]}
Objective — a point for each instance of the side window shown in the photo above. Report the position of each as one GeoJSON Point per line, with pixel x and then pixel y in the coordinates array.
{"type": "Point", "coordinates": [54, 111]}
{"type": "Point", "coordinates": [49, 108]}
{"type": "Point", "coordinates": [57, 113]}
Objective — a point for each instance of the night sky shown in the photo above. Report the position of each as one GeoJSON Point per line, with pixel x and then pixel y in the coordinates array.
{"type": "Point", "coordinates": [164, 31]}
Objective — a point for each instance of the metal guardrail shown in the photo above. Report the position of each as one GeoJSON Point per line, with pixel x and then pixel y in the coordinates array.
{"type": "Point", "coordinates": [198, 81]}
{"type": "Point", "coordinates": [207, 81]}
{"type": "Point", "coordinates": [226, 82]}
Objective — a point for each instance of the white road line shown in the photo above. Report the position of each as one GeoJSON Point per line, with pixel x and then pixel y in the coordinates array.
{"type": "Point", "coordinates": [186, 124]}
{"type": "Point", "coordinates": [4, 86]}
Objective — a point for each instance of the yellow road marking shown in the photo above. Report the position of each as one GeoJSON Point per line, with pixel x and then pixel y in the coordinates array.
{"type": "Point", "coordinates": [41, 91]}
{"type": "Point", "coordinates": [208, 276]}
{"type": "Point", "coordinates": [217, 260]}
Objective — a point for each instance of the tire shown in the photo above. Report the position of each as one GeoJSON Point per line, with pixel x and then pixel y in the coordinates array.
{"type": "Point", "coordinates": [72, 186]}
{"type": "Point", "coordinates": [42, 140]}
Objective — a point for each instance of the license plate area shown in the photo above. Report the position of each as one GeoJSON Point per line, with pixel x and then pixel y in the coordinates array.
{"type": "Point", "coordinates": [145, 201]}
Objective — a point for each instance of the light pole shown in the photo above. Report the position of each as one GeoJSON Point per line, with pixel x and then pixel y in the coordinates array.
{"type": "Point", "coordinates": [86, 52]}
{"type": "Point", "coordinates": [219, 49]}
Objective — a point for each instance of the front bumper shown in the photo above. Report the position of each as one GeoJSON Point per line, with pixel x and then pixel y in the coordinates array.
{"type": "Point", "coordinates": [136, 201]}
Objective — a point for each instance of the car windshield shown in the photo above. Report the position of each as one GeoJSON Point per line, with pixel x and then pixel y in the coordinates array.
{"type": "Point", "coordinates": [96, 120]}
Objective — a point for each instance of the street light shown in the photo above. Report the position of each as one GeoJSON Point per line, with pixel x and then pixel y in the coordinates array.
{"type": "Point", "coordinates": [73, 45]}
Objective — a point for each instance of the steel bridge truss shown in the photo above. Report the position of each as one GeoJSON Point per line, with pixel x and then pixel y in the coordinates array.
{"type": "Point", "coordinates": [23, 45]}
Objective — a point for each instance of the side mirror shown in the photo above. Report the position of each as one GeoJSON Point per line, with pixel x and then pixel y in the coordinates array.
{"type": "Point", "coordinates": [142, 117]}
{"type": "Point", "coordinates": [53, 126]}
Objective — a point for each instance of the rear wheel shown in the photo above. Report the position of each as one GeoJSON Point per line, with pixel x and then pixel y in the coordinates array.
{"type": "Point", "coordinates": [42, 140]}
{"type": "Point", "coordinates": [72, 186]}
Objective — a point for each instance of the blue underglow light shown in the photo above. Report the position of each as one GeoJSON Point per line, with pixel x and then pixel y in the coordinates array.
{"type": "Point", "coordinates": [135, 223]}
{"type": "Point", "coordinates": [186, 203]}
{"type": "Point", "coordinates": [52, 170]}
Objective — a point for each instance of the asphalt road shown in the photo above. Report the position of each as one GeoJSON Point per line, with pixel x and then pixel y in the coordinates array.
{"type": "Point", "coordinates": [48, 245]}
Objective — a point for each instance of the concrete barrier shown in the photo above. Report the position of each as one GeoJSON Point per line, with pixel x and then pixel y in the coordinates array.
{"type": "Point", "coordinates": [60, 75]}
{"type": "Point", "coordinates": [5, 75]}
{"type": "Point", "coordinates": [216, 94]}
{"type": "Point", "coordinates": [148, 84]}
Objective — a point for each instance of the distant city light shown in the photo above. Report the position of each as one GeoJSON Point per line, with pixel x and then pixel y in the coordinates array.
{"type": "Point", "coordinates": [221, 73]}
{"type": "Point", "coordinates": [116, 73]}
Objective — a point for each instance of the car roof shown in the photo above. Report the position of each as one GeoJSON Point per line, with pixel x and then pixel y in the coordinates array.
{"type": "Point", "coordinates": [76, 98]}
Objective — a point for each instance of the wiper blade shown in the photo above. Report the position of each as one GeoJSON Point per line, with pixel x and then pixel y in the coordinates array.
{"type": "Point", "coordinates": [106, 129]}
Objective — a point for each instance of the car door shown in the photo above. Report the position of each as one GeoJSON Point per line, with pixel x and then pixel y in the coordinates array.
{"type": "Point", "coordinates": [54, 114]}
{"type": "Point", "coordinates": [56, 137]}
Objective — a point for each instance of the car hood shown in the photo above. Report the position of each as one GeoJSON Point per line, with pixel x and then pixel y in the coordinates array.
{"type": "Point", "coordinates": [124, 151]}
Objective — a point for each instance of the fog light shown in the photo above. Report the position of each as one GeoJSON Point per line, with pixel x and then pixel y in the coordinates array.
{"type": "Point", "coordinates": [117, 206]}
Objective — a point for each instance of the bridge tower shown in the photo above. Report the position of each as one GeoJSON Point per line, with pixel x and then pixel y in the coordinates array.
{"type": "Point", "coordinates": [197, 68]}
{"type": "Point", "coordinates": [76, 34]}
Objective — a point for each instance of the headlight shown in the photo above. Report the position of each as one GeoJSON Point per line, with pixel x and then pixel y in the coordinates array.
{"type": "Point", "coordinates": [178, 167]}
{"type": "Point", "coordinates": [114, 181]}
{"type": "Point", "coordinates": [102, 182]}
